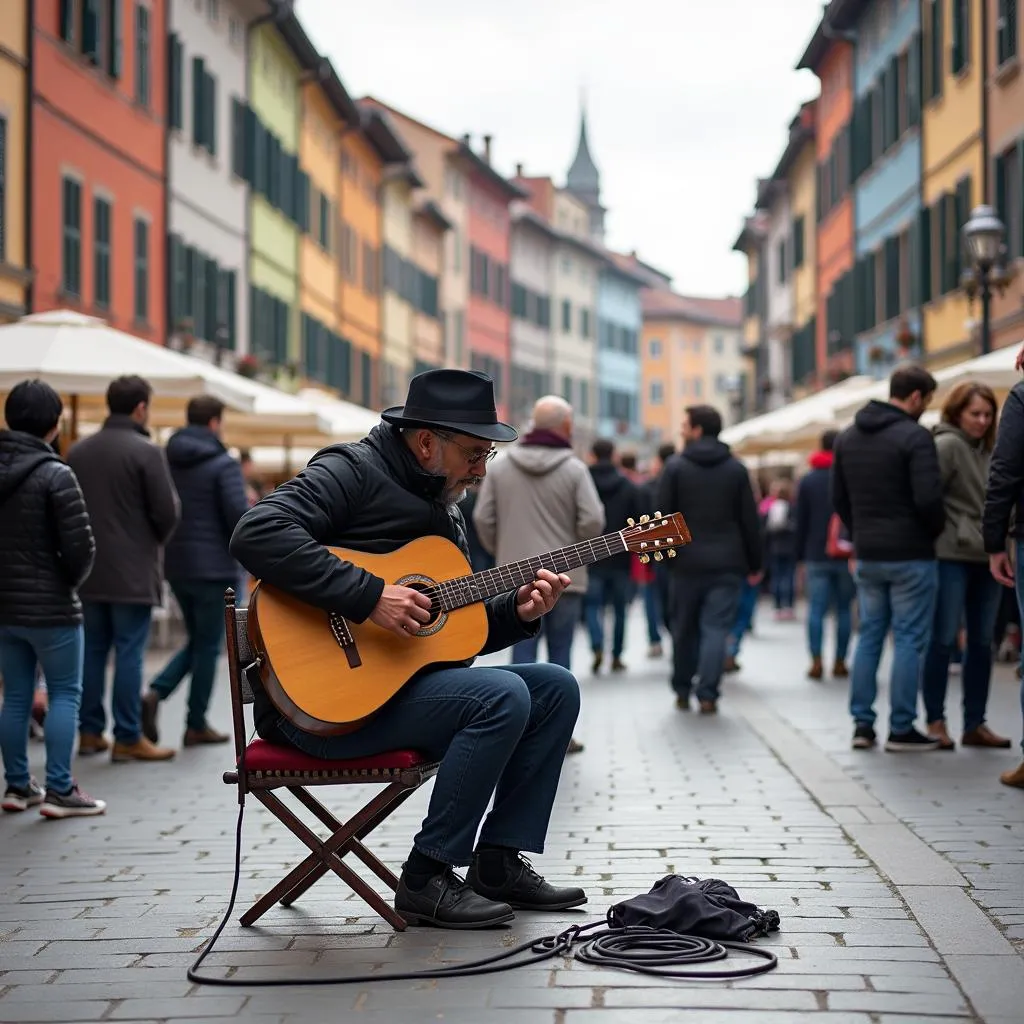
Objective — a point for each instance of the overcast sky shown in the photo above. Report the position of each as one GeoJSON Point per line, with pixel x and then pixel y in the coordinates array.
{"type": "Point", "coordinates": [687, 101]}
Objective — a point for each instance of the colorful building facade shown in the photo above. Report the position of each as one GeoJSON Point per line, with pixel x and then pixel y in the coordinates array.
{"type": "Point", "coordinates": [955, 167]}
{"type": "Point", "coordinates": [1006, 158]}
{"type": "Point", "coordinates": [618, 374]}
{"type": "Point", "coordinates": [831, 59]}
{"type": "Point", "coordinates": [799, 166]}
{"type": "Point", "coordinates": [429, 228]}
{"type": "Point", "coordinates": [15, 257]}
{"type": "Point", "coordinates": [97, 203]}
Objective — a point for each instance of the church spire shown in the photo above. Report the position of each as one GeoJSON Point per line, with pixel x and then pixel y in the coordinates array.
{"type": "Point", "coordinates": [583, 175]}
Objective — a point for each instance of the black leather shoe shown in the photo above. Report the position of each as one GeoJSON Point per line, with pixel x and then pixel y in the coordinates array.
{"type": "Point", "coordinates": [446, 901]}
{"type": "Point", "coordinates": [524, 889]}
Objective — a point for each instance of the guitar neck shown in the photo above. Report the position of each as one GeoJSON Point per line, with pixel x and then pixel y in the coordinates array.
{"type": "Point", "coordinates": [479, 586]}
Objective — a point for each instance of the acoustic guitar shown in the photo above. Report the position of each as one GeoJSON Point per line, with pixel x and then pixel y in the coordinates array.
{"type": "Point", "coordinates": [328, 675]}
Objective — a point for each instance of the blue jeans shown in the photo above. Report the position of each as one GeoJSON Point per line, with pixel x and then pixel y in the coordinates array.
{"type": "Point", "coordinates": [608, 588]}
{"type": "Point", "coordinates": [58, 651]}
{"type": "Point", "coordinates": [900, 595]}
{"type": "Point", "coordinates": [829, 585]}
{"type": "Point", "coordinates": [967, 592]}
{"type": "Point", "coordinates": [500, 731]}
{"type": "Point", "coordinates": [703, 612]}
{"type": "Point", "coordinates": [652, 611]}
{"type": "Point", "coordinates": [782, 570]}
{"type": "Point", "coordinates": [1020, 604]}
{"type": "Point", "coordinates": [749, 595]}
{"type": "Point", "coordinates": [558, 628]}
{"type": "Point", "coordinates": [125, 627]}
{"type": "Point", "coordinates": [202, 608]}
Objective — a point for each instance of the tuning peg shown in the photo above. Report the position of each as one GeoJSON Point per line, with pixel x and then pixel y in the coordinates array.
{"type": "Point", "coordinates": [631, 522]}
{"type": "Point", "coordinates": [645, 559]}
{"type": "Point", "coordinates": [657, 515]}
{"type": "Point", "coordinates": [645, 519]}
{"type": "Point", "coordinates": [671, 552]}
{"type": "Point", "coordinates": [658, 556]}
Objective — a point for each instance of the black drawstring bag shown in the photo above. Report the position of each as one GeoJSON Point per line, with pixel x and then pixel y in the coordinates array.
{"type": "Point", "coordinates": [707, 907]}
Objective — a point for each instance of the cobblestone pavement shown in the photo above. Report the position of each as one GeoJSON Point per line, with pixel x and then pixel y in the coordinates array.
{"type": "Point", "coordinates": [899, 878]}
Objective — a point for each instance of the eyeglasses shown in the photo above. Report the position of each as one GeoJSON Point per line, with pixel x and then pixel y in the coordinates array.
{"type": "Point", "coordinates": [474, 456]}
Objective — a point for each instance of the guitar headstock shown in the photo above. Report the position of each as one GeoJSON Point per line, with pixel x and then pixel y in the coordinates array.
{"type": "Point", "coordinates": [656, 535]}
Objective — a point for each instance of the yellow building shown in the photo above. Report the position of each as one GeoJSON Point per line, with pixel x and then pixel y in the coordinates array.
{"type": "Point", "coordinates": [327, 112]}
{"type": "Point", "coordinates": [800, 168]}
{"type": "Point", "coordinates": [14, 273]}
{"type": "Point", "coordinates": [953, 167]}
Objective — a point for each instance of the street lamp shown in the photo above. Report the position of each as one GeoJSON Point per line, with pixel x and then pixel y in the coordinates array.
{"type": "Point", "coordinates": [988, 269]}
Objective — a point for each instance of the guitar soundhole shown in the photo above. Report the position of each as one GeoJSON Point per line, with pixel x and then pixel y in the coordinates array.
{"type": "Point", "coordinates": [437, 617]}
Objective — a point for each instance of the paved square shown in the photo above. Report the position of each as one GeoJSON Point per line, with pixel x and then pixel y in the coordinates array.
{"type": "Point", "coordinates": [899, 879]}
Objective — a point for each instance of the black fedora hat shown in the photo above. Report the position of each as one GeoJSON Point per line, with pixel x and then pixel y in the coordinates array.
{"type": "Point", "coordinates": [461, 401]}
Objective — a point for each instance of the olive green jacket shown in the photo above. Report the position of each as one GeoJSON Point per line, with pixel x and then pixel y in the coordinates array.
{"type": "Point", "coordinates": [964, 465]}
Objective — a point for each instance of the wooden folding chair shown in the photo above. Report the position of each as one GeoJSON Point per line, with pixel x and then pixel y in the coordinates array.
{"type": "Point", "coordinates": [268, 767]}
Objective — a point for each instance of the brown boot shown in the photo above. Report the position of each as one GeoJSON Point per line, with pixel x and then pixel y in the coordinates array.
{"type": "Point", "coordinates": [731, 665]}
{"type": "Point", "coordinates": [575, 747]}
{"type": "Point", "coordinates": [839, 670]}
{"type": "Point", "coordinates": [817, 670]}
{"type": "Point", "coordinates": [141, 750]}
{"type": "Point", "coordinates": [938, 731]}
{"type": "Point", "coordinates": [618, 665]}
{"type": "Point", "coordinates": [983, 736]}
{"type": "Point", "coordinates": [91, 744]}
{"type": "Point", "coordinates": [200, 737]}
{"type": "Point", "coordinates": [708, 707]}
{"type": "Point", "coordinates": [1014, 777]}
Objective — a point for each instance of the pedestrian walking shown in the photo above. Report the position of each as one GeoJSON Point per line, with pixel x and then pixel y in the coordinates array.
{"type": "Point", "coordinates": [47, 550]}
{"type": "Point", "coordinates": [826, 567]}
{"type": "Point", "coordinates": [887, 489]}
{"type": "Point", "coordinates": [711, 488]}
{"type": "Point", "coordinates": [211, 489]}
{"type": "Point", "coordinates": [746, 610]}
{"type": "Point", "coordinates": [609, 583]}
{"type": "Point", "coordinates": [779, 515]}
{"type": "Point", "coordinates": [539, 497]}
{"type": "Point", "coordinates": [134, 510]}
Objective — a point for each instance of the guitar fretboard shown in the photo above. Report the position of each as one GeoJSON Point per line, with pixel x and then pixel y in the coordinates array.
{"type": "Point", "coordinates": [479, 586]}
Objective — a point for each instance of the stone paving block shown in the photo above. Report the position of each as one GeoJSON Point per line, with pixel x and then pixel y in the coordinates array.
{"type": "Point", "coordinates": [30, 1013]}
{"type": "Point", "coordinates": [994, 984]}
{"type": "Point", "coordinates": [132, 988]}
{"type": "Point", "coordinates": [894, 1002]}
{"type": "Point", "coordinates": [542, 998]}
{"type": "Point", "coordinates": [685, 1015]}
{"type": "Point", "coordinates": [201, 1007]}
{"type": "Point", "coordinates": [954, 921]}
{"type": "Point", "coordinates": [705, 997]}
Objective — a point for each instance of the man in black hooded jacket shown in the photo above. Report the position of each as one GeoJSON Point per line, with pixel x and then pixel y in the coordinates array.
{"type": "Point", "coordinates": [496, 731]}
{"type": "Point", "coordinates": [712, 490]}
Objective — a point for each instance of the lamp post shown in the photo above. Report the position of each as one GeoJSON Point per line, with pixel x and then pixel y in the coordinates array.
{"type": "Point", "coordinates": [987, 269]}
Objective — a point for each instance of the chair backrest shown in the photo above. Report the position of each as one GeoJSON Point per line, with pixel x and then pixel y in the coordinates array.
{"type": "Point", "coordinates": [240, 656]}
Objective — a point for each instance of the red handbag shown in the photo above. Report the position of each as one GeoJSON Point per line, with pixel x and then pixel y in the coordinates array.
{"type": "Point", "coordinates": [838, 543]}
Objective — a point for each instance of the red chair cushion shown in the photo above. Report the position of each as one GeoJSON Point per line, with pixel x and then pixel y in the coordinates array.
{"type": "Point", "coordinates": [261, 756]}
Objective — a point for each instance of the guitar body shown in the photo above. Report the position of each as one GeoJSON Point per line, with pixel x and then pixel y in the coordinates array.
{"type": "Point", "coordinates": [329, 687]}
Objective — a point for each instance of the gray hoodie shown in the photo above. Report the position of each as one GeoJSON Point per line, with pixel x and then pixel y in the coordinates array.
{"type": "Point", "coordinates": [964, 465]}
{"type": "Point", "coordinates": [535, 499]}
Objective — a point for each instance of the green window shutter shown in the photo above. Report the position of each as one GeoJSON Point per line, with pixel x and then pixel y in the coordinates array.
{"type": "Point", "coordinates": [1020, 187]}
{"type": "Point", "coordinates": [892, 278]}
{"type": "Point", "coordinates": [250, 130]}
{"type": "Point", "coordinates": [230, 311]}
{"type": "Point", "coordinates": [894, 101]}
{"type": "Point", "coordinates": [67, 21]}
{"type": "Point", "coordinates": [238, 152]}
{"type": "Point", "coordinates": [210, 112]}
{"type": "Point", "coordinates": [114, 43]}
{"type": "Point", "coordinates": [960, 53]}
{"type": "Point", "coordinates": [818, 195]}
{"type": "Point", "coordinates": [175, 57]}
{"type": "Point", "coordinates": [173, 246]}
{"type": "Point", "coordinates": [999, 176]}
{"type": "Point", "coordinates": [924, 253]}
{"type": "Point", "coordinates": [938, 48]}
{"type": "Point", "coordinates": [962, 210]}
{"type": "Point", "coordinates": [198, 121]}
{"type": "Point", "coordinates": [914, 257]}
{"type": "Point", "coordinates": [92, 18]}
{"type": "Point", "coordinates": [914, 81]}
{"type": "Point", "coordinates": [885, 94]}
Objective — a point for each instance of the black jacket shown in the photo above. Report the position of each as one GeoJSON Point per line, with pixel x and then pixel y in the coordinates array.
{"type": "Point", "coordinates": [887, 487]}
{"type": "Point", "coordinates": [1005, 490]}
{"type": "Point", "coordinates": [814, 510]}
{"type": "Point", "coordinates": [622, 500]}
{"type": "Point", "coordinates": [712, 490]}
{"type": "Point", "coordinates": [133, 508]}
{"type": "Point", "coordinates": [211, 488]}
{"type": "Point", "coordinates": [370, 496]}
{"type": "Point", "coordinates": [46, 543]}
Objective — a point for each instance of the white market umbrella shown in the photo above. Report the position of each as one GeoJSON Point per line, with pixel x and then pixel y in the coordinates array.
{"type": "Point", "coordinates": [346, 421]}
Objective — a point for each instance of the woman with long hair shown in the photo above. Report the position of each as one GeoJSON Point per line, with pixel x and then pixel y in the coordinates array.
{"type": "Point", "coordinates": [967, 592]}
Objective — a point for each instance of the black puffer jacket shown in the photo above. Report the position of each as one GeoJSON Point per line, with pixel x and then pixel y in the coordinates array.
{"type": "Point", "coordinates": [622, 500]}
{"type": "Point", "coordinates": [1005, 493]}
{"type": "Point", "coordinates": [369, 496]}
{"type": "Point", "coordinates": [712, 490]}
{"type": "Point", "coordinates": [46, 542]}
{"type": "Point", "coordinates": [887, 486]}
{"type": "Point", "coordinates": [211, 489]}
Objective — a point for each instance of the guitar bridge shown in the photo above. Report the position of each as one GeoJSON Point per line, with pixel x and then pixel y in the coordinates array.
{"type": "Point", "coordinates": [345, 640]}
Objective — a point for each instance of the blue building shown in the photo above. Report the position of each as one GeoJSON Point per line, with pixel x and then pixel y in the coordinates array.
{"type": "Point", "coordinates": [619, 378]}
{"type": "Point", "coordinates": [885, 166]}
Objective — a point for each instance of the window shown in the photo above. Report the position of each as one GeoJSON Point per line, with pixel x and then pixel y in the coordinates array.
{"type": "Point", "coordinates": [656, 392]}
{"type": "Point", "coordinates": [142, 68]}
{"type": "Point", "coordinates": [175, 84]}
{"type": "Point", "coordinates": [567, 388]}
{"type": "Point", "coordinates": [371, 273]}
{"type": "Point", "coordinates": [798, 244]}
{"type": "Point", "coordinates": [1009, 186]}
{"type": "Point", "coordinates": [101, 252]}
{"type": "Point", "coordinates": [934, 66]}
{"type": "Point", "coordinates": [654, 348]}
{"type": "Point", "coordinates": [960, 47]}
{"type": "Point", "coordinates": [720, 341]}
{"type": "Point", "coordinates": [902, 93]}
{"type": "Point", "coordinates": [585, 323]}
{"type": "Point", "coordinates": [566, 315]}
{"type": "Point", "coordinates": [1006, 31]}
{"type": "Point", "coordinates": [324, 225]}
{"type": "Point", "coordinates": [71, 237]}
{"type": "Point", "coordinates": [235, 31]}
{"type": "Point", "coordinates": [141, 271]}
{"type": "Point", "coordinates": [204, 107]}
{"type": "Point", "coordinates": [584, 398]}
{"type": "Point", "coordinates": [3, 189]}
{"type": "Point", "coordinates": [780, 259]}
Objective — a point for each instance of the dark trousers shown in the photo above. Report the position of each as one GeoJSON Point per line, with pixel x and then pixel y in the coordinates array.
{"type": "Point", "coordinates": [703, 613]}
{"type": "Point", "coordinates": [558, 628]}
{"type": "Point", "coordinates": [605, 589]}
{"type": "Point", "coordinates": [202, 608]}
{"type": "Point", "coordinates": [967, 593]}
